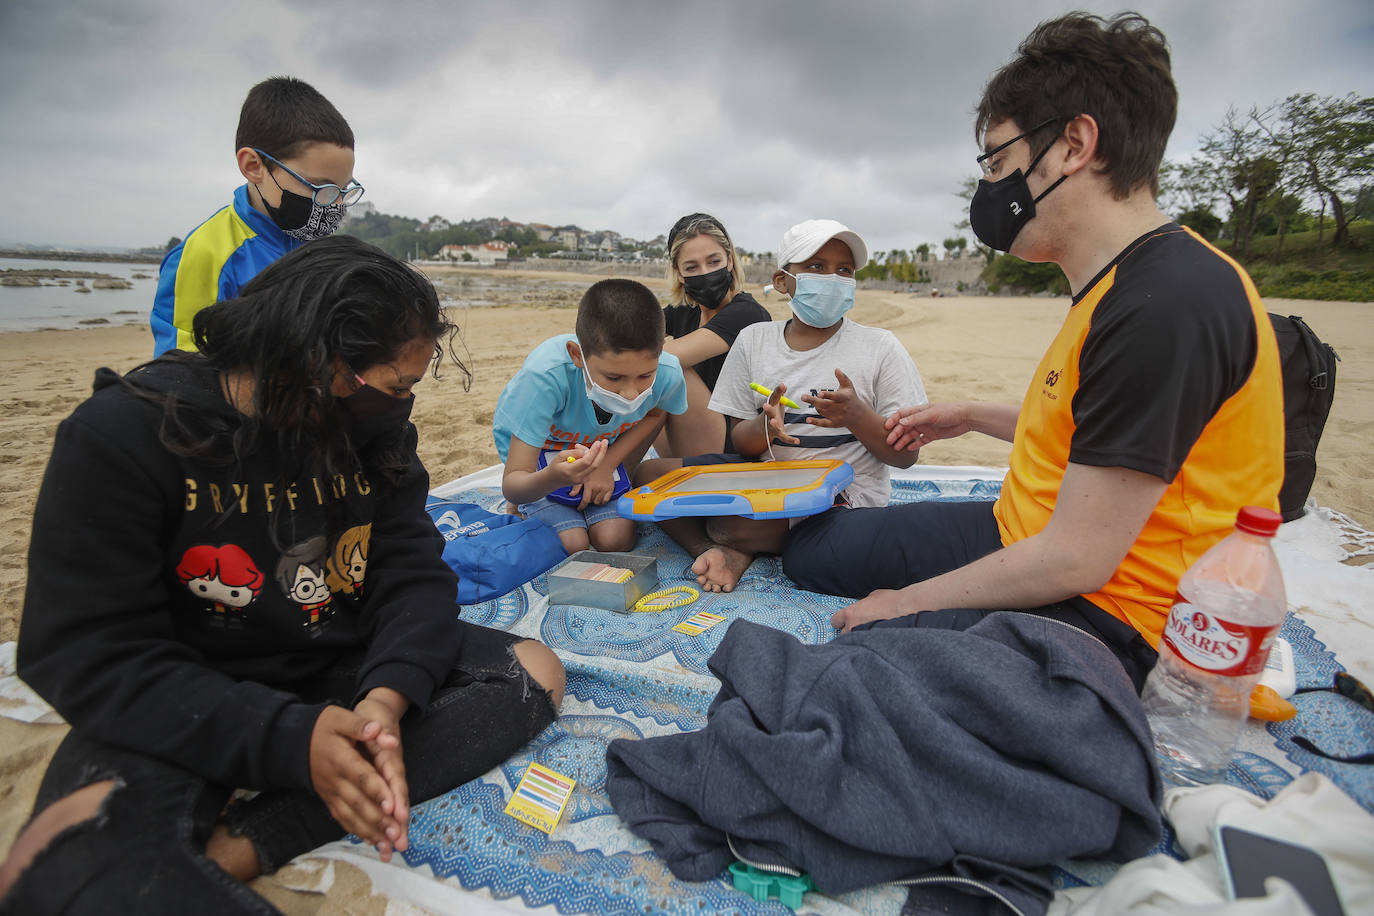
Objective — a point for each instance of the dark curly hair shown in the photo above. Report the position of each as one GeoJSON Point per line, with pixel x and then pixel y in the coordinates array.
{"type": "Point", "coordinates": [1116, 70]}
{"type": "Point", "coordinates": [335, 305]}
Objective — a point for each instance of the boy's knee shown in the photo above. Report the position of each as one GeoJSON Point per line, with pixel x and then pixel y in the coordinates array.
{"type": "Point", "coordinates": [544, 666]}
{"type": "Point", "coordinates": [613, 538]}
{"type": "Point", "coordinates": [81, 806]}
{"type": "Point", "coordinates": [574, 539]}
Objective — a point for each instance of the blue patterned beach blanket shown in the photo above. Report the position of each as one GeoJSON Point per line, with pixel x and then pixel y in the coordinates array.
{"type": "Point", "coordinates": [633, 676]}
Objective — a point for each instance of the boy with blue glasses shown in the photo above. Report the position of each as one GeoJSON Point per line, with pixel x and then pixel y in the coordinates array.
{"type": "Point", "coordinates": [296, 152]}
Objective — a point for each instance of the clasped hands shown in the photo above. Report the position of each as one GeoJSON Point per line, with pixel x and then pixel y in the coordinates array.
{"type": "Point", "coordinates": [357, 769]}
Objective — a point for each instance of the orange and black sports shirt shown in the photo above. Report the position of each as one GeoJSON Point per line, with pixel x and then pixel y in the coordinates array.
{"type": "Point", "coordinates": [1166, 364]}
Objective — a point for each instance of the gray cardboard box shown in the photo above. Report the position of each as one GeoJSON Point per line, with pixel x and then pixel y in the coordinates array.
{"type": "Point", "coordinates": [612, 596]}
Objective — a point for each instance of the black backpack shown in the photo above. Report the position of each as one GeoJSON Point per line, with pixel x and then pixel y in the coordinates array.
{"type": "Point", "coordinates": [1308, 366]}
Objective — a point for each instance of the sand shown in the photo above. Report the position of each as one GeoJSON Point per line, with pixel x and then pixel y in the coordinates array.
{"type": "Point", "coordinates": [965, 347]}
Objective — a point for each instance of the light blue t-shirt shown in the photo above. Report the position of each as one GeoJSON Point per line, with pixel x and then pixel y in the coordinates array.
{"type": "Point", "coordinates": [546, 405]}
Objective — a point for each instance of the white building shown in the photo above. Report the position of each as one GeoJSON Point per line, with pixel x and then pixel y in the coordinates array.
{"type": "Point", "coordinates": [484, 253]}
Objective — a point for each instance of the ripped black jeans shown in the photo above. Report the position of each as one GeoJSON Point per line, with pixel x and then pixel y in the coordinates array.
{"type": "Point", "coordinates": [145, 851]}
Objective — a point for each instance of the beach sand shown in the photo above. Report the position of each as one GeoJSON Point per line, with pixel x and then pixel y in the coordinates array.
{"type": "Point", "coordinates": [965, 347]}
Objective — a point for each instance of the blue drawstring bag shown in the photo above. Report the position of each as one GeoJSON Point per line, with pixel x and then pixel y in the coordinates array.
{"type": "Point", "coordinates": [493, 553]}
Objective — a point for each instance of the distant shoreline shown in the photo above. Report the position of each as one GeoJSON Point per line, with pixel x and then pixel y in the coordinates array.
{"type": "Point", "coordinates": [21, 254]}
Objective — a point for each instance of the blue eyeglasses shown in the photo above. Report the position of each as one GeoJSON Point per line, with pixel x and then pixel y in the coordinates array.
{"type": "Point", "coordinates": [323, 194]}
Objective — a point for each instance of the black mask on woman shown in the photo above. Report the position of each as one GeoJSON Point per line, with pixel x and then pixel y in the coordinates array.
{"type": "Point", "coordinates": [707, 290]}
{"type": "Point", "coordinates": [368, 413]}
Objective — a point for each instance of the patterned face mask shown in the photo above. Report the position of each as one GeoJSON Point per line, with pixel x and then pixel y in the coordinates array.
{"type": "Point", "coordinates": [301, 218]}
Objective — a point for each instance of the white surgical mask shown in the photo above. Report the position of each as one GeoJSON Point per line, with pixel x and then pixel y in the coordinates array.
{"type": "Point", "coordinates": [610, 401]}
{"type": "Point", "coordinates": [820, 300]}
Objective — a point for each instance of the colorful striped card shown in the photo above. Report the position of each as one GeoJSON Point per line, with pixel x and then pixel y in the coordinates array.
{"type": "Point", "coordinates": [540, 797]}
{"type": "Point", "coordinates": [698, 623]}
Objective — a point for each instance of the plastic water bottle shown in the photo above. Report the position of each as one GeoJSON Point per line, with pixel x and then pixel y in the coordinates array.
{"type": "Point", "coordinates": [1228, 610]}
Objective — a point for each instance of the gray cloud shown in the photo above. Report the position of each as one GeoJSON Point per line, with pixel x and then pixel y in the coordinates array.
{"type": "Point", "coordinates": [120, 118]}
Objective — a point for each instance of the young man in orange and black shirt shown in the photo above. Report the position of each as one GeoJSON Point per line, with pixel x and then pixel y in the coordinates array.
{"type": "Point", "coordinates": [1156, 413]}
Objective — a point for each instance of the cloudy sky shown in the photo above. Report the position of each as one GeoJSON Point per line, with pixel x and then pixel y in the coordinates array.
{"type": "Point", "coordinates": [119, 117]}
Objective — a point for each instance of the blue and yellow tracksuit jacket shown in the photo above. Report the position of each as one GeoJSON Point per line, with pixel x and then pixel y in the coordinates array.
{"type": "Point", "coordinates": [215, 261]}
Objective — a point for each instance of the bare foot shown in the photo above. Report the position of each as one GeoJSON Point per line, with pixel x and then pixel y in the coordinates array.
{"type": "Point", "coordinates": [718, 569]}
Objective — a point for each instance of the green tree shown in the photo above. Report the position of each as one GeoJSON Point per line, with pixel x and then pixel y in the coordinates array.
{"type": "Point", "coordinates": [1256, 182]}
{"type": "Point", "coordinates": [1363, 207]}
{"type": "Point", "coordinates": [923, 252]}
{"type": "Point", "coordinates": [1284, 210]}
{"type": "Point", "coordinates": [1240, 163]}
{"type": "Point", "coordinates": [1186, 187]}
{"type": "Point", "coordinates": [1203, 221]}
{"type": "Point", "coordinates": [518, 236]}
{"type": "Point", "coordinates": [1329, 145]}
{"type": "Point", "coordinates": [1024, 276]}
{"type": "Point", "coordinates": [171, 243]}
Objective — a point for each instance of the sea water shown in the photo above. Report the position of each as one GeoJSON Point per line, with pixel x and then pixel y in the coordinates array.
{"type": "Point", "coordinates": [57, 304]}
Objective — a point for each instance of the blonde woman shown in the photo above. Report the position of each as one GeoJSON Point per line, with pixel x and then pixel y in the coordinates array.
{"type": "Point", "coordinates": [709, 308]}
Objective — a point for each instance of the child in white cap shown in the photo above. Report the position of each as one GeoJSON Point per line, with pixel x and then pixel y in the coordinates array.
{"type": "Point", "coordinates": [847, 378]}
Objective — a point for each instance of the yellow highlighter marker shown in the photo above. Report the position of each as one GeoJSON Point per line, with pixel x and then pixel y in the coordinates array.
{"type": "Point", "coordinates": [768, 393]}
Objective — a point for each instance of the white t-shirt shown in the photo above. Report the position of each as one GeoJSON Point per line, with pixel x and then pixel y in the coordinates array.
{"type": "Point", "coordinates": [883, 374]}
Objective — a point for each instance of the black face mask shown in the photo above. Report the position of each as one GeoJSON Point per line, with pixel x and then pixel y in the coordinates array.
{"type": "Point", "coordinates": [707, 290]}
{"type": "Point", "coordinates": [368, 413]}
{"type": "Point", "coordinates": [300, 217]}
{"type": "Point", "coordinates": [1000, 209]}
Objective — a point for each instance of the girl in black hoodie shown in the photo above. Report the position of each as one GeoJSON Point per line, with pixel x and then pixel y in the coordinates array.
{"type": "Point", "coordinates": [233, 584]}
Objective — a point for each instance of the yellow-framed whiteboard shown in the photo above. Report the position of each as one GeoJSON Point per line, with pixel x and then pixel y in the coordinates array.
{"type": "Point", "coordinates": [760, 489]}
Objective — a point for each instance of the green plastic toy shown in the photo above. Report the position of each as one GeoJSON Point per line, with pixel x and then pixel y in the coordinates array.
{"type": "Point", "coordinates": [762, 885]}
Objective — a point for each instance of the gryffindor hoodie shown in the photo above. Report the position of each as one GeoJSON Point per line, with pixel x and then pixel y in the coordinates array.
{"type": "Point", "coordinates": [173, 601]}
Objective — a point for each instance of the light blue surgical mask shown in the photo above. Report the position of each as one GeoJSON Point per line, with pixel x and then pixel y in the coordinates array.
{"type": "Point", "coordinates": [820, 300]}
{"type": "Point", "coordinates": [610, 401]}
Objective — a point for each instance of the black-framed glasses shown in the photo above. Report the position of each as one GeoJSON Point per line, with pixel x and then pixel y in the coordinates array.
{"type": "Point", "coordinates": [1350, 687]}
{"type": "Point", "coordinates": [991, 168]}
{"type": "Point", "coordinates": [325, 195]}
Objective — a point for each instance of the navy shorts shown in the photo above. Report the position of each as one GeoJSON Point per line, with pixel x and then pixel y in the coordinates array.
{"type": "Point", "coordinates": [852, 552]}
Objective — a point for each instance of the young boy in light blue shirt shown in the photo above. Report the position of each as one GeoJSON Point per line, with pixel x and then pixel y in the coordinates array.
{"type": "Point", "coordinates": [582, 410]}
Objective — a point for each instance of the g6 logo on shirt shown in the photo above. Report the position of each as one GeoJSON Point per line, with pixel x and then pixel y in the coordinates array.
{"type": "Point", "coordinates": [1052, 378]}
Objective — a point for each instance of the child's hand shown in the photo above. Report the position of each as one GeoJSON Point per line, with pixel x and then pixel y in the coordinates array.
{"type": "Point", "coordinates": [585, 460]}
{"type": "Point", "coordinates": [385, 706]}
{"type": "Point", "coordinates": [347, 781]}
{"type": "Point", "coordinates": [774, 424]}
{"type": "Point", "coordinates": [598, 487]}
{"type": "Point", "coordinates": [839, 408]}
